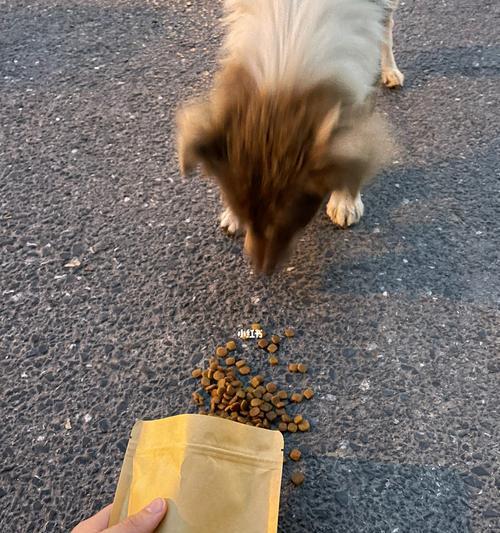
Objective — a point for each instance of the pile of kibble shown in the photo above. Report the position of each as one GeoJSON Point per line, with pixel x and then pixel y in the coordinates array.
{"type": "Point", "coordinates": [228, 390]}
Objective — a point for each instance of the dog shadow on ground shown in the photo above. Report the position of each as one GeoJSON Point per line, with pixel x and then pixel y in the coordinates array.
{"type": "Point", "coordinates": [408, 241]}
{"type": "Point", "coordinates": [479, 61]}
{"type": "Point", "coordinates": [352, 496]}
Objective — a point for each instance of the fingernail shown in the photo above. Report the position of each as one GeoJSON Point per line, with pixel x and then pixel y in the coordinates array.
{"type": "Point", "coordinates": [156, 506]}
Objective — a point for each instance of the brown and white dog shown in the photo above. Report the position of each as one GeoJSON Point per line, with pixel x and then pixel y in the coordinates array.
{"type": "Point", "coordinates": [290, 118]}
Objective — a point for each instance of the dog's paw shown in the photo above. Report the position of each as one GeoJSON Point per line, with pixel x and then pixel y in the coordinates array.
{"type": "Point", "coordinates": [344, 210]}
{"type": "Point", "coordinates": [229, 222]}
{"type": "Point", "coordinates": [392, 77]}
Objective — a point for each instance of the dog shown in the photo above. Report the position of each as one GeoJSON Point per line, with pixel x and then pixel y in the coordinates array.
{"type": "Point", "coordinates": [290, 119]}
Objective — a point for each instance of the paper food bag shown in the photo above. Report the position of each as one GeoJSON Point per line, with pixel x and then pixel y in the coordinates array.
{"type": "Point", "coordinates": [217, 475]}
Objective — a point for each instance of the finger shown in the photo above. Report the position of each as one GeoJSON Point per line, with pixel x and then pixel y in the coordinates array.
{"type": "Point", "coordinates": [145, 521]}
{"type": "Point", "coordinates": [96, 523]}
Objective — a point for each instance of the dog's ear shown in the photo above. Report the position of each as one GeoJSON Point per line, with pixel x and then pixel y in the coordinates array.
{"type": "Point", "coordinates": [199, 141]}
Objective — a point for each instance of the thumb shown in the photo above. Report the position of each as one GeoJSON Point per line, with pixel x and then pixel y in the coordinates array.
{"type": "Point", "coordinates": [145, 521]}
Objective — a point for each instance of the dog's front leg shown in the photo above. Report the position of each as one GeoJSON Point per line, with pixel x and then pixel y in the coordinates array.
{"type": "Point", "coordinates": [229, 222]}
{"type": "Point", "coordinates": [345, 208]}
{"type": "Point", "coordinates": [391, 76]}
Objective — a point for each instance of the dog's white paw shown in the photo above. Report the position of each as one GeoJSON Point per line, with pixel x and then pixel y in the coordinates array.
{"type": "Point", "coordinates": [229, 222]}
{"type": "Point", "coordinates": [344, 210]}
{"type": "Point", "coordinates": [392, 77]}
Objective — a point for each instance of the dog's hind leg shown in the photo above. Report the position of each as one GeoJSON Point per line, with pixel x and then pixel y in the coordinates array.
{"type": "Point", "coordinates": [391, 76]}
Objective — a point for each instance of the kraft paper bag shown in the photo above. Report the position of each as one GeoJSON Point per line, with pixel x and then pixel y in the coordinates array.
{"type": "Point", "coordinates": [217, 475]}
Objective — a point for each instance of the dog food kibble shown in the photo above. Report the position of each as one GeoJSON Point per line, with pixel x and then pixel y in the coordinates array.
{"type": "Point", "coordinates": [256, 381]}
{"type": "Point", "coordinates": [308, 394]}
{"type": "Point", "coordinates": [271, 416]}
{"type": "Point", "coordinates": [229, 390]}
{"type": "Point", "coordinates": [221, 351]}
{"type": "Point", "coordinates": [304, 426]}
{"type": "Point", "coordinates": [231, 345]}
{"type": "Point", "coordinates": [296, 397]}
{"type": "Point", "coordinates": [295, 454]}
{"type": "Point", "coordinates": [254, 412]}
{"type": "Point", "coordinates": [298, 478]}
{"type": "Point", "coordinates": [270, 387]}
{"type": "Point", "coordinates": [273, 360]}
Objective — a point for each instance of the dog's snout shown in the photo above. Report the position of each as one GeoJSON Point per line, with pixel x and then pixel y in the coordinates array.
{"type": "Point", "coordinates": [266, 254]}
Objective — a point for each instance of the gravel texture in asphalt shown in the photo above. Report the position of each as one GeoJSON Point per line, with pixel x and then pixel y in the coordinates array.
{"type": "Point", "coordinates": [397, 318]}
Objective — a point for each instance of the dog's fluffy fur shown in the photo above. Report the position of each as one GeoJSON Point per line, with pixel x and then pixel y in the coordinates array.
{"type": "Point", "coordinates": [290, 118]}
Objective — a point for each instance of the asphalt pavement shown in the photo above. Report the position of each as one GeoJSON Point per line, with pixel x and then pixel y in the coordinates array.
{"type": "Point", "coordinates": [115, 279]}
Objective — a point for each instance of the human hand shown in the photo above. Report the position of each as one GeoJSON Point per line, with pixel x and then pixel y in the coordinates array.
{"type": "Point", "coordinates": [145, 521]}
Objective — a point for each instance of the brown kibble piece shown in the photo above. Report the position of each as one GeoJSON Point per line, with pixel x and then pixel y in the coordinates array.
{"type": "Point", "coordinates": [240, 363]}
{"type": "Point", "coordinates": [298, 478]}
{"type": "Point", "coordinates": [256, 381]}
{"type": "Point", "coordinates": [302, 368]}
{"type": "Point", "coordinates": [254, 411]}
{"type": "Point", "coordinates": [273, 361]}
{"type": "Point", "coordinates": [271, 387]}
{"type": "Point", "coordinates": [197, 398]}
{"type": "Point", "coordinates": [308, 394]}
{"type": "Point", "coordinates": [297, 397]}
{"type": "Point", "coordinates": [271, 416]}
{"type": "Point", "coordinates": [298, 419]}
{"type": "Point", "coordinates": [292, 428]}
{"type": "Point", "coordinates": [262, 343]}
{"type": "Point", "coordinates": [255, 326]}
{"type": "Point", "coordinates": [304, 426]}
{"type": "Point", "coordinates": [230, 361]}
{"type": "Point", "coordinates": [266, 407]}
{"type": "Point", "coordinates": [231, 345]}
{"type": "Point", "coordinates": [244, 370]}
{"type": "Point", "coordinates": [282, 395]}
{"type": "Point", "coordinates": [283, 427]}
{"type": "Point", "coordinates": [205, 382]}
{"type": "Point", "coordinates": [275, 339]}
{"type": "Point", "coordinates": [272, 348]}
{"type": "Point", "coordinates": [295, 454]}
{"type": "Point", "coordinates": [197, 372]}
{"type": "Point", "coordinates": [256, 402]}
{"type": "Point", "coordinates": [292, 367]}
{"type": "Point", "coordinates": [219, 375]}
{"type": "Point", "coordinates": [221, 351]}
{"type": "Point", "coordinates": [289, 332]}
